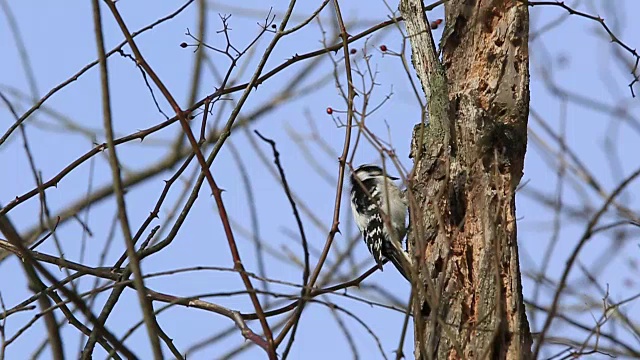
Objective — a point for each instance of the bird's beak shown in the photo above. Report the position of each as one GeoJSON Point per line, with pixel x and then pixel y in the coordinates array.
{"type": "Point", "coordinates": [392, 178]}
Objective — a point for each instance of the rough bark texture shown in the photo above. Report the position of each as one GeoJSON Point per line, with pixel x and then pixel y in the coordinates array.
{"type": "Point", "coordinates": [468, 302]}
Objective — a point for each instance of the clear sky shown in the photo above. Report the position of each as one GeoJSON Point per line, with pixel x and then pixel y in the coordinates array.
{"type": "Point", "coordinates": [574, 56]}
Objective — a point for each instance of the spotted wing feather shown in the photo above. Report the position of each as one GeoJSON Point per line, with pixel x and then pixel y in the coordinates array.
{"type": "Point", "coordinates": [374, 238]}
{"type": "Point", "coordinates": [368, 219]}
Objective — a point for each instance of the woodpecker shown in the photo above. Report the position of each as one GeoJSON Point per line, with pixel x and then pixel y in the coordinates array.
{"type": "Point", "coordinates": [373, 193]}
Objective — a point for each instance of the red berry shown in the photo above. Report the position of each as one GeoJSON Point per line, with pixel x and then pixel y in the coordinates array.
{"type": "Point", "coordinates": [329, 111]}
{"type": "Point", "coordinates": [436, 23]}
{"type": "Point", "coordinates": [383, 47]}
{"type": "Point", "coordinates": [183, 45]}
{"type": "Point", "coordinates": [353, 51]}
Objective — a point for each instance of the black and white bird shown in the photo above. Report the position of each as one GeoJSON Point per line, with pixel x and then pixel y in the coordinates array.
{"type": "Point", "coordinates": [373, 192]}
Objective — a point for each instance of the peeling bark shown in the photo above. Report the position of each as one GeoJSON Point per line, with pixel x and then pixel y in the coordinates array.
{"type": "Point", "coordinates": [468, 162]}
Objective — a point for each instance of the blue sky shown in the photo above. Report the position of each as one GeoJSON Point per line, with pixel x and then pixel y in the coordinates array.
{"type": "Point", "coordinates": [59, 39]}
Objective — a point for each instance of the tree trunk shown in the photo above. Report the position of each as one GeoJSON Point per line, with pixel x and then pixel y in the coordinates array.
{"type": "Point", "coordinates": [469, 159]}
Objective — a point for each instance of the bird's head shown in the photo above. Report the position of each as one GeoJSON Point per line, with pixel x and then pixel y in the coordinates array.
{"type": "Point", "coordinates": [369, 171]}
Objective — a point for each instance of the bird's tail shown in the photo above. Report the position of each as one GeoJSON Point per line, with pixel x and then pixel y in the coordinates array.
{"type": "Point", "coordinates": [396, 260]}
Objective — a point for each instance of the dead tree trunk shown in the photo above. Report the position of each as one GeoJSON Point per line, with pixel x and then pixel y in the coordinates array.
{"type": "Point", "coordinates": [469, 158]}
